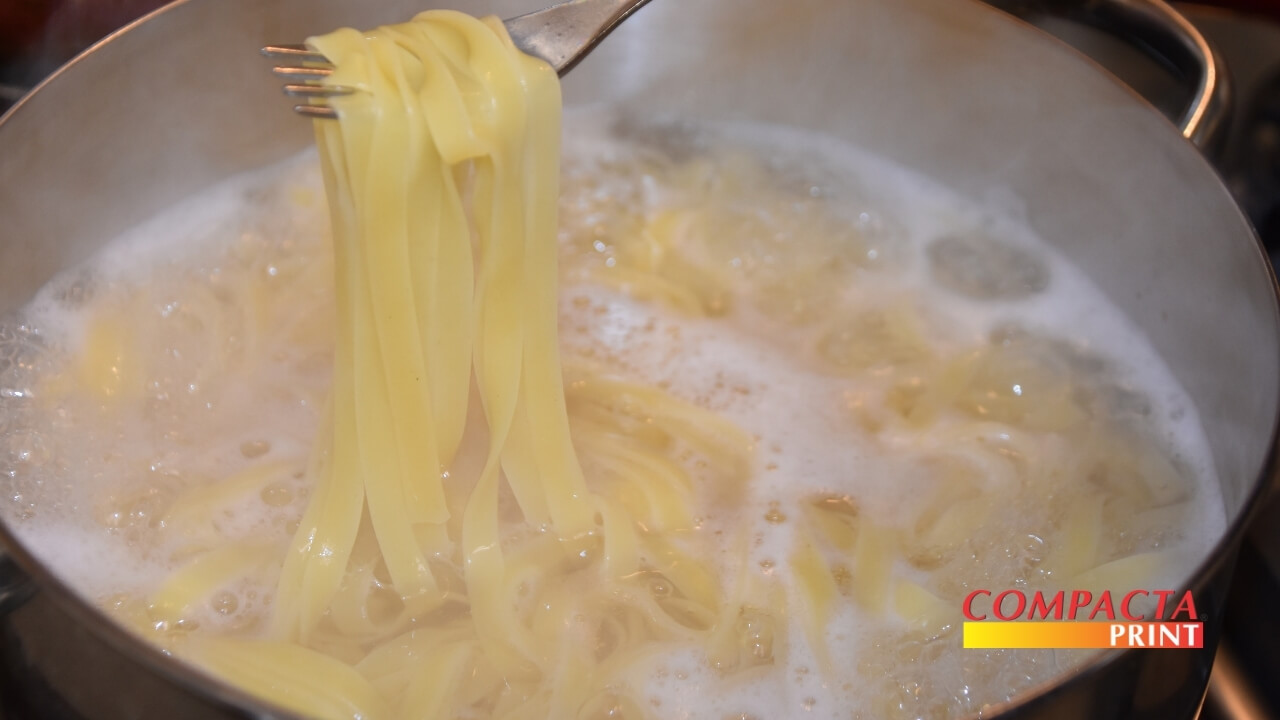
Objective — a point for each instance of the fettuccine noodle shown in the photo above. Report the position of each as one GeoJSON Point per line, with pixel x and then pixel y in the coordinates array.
{"type": "Point", "coordinates": [442, 176]}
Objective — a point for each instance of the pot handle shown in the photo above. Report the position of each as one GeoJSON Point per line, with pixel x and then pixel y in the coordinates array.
{"type": "Point", "coordinates": [1161, 31]}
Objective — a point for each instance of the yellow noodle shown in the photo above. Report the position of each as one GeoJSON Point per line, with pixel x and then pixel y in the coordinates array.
{"type": "Point", "coordinates": [302, 680]}
{"type": "Point", "coordinates": [194, 507]}
{"type": "Point", "coordinates": [196, 581]}
{"type": "Point", "coordinates": [817, 587]}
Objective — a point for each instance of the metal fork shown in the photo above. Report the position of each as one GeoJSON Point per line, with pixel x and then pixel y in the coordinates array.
{"type": "Point", "coordinates": [562, 35]}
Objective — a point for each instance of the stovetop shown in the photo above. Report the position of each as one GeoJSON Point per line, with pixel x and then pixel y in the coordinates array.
{"type": "Point", "coordinates": [36, 36]}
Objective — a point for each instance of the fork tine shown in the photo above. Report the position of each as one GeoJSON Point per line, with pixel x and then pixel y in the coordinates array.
{"type": "Point", "coordinates": [310, 90]}
{"type": "Point", "coordinates": [323, 112]}
{"type": "Point", "coordinates": [303, 78]}
{"type": "Point", "coordinates": [302, 74]}
{"type": "Point", "coordinates": [294, 52]}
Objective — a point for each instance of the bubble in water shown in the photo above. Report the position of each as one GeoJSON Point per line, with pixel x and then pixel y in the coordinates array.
{"type": "Point", "coordinates": [255, 448]}
{"type": "Point", "coordinates": [225, 603]}
{"type": "Point", "coordinates": [659, 585]}
{"type": "Point", "coordinates": [277, 495]}
{"type": "Point", "coordinates": [755, 637]}
{"type": "Point", "coordinates": [134, 510]}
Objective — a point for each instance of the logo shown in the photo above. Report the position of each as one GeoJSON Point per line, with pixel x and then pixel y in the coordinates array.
{"type": "Point", "coordinates": [1079, 619]}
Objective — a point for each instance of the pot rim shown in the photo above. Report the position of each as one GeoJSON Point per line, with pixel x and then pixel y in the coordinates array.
{"type": "Point", "coordinates": [196, 681]}
{"type": "Point", "coordinates": [1223, 551]}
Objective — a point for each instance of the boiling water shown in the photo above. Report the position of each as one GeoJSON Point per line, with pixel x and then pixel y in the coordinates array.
{"type": "Point", "coordinates": [806, 290]}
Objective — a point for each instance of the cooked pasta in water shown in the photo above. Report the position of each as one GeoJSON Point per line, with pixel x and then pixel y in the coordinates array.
{"type": "Point", "coordinates": [712, 421]}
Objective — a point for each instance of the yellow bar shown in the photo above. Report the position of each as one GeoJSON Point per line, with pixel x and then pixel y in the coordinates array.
{"type": "Point", "coordinates": [990, 635]}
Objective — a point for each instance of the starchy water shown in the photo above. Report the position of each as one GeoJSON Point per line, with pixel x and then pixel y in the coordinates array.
{"type": "Point", "coordinates": [895, 351]}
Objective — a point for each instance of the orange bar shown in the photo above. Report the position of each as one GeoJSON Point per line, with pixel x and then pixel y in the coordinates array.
{"type": "Point", "coordinates": [1017, 634]}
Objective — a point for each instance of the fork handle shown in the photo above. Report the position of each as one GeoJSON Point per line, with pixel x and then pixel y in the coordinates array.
{"type": "Point", "coordinates": [563, 34]}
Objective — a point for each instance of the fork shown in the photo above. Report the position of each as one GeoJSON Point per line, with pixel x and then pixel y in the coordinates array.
{"type": "Point", "coordinates": [562, 35]}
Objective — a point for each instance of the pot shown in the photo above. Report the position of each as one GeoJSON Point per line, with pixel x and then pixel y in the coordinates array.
{"type": "Point", "coordinates": [986, 105]}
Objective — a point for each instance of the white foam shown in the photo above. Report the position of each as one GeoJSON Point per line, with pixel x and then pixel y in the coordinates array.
{"type": "Point", "coordinates": [123, 467]}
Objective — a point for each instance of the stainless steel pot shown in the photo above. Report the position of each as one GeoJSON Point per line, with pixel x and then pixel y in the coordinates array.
{"type": "Point", "coordinates": [952, 88]}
